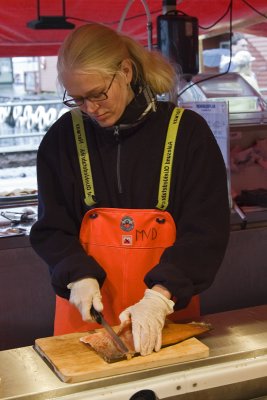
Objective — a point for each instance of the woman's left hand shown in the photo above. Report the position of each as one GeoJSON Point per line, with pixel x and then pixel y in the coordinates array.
{"type": "Point", "coordinates": [148, 318]}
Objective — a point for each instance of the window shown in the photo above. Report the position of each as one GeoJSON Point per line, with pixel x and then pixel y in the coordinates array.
{"type": "Point", "coordinates": [29, 105]}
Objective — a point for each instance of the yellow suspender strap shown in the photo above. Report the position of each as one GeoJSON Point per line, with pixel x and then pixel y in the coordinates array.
{"type": "Point", "coordinates": [84, 158]}
{"type": "Point", "coordinates": [167, 160]}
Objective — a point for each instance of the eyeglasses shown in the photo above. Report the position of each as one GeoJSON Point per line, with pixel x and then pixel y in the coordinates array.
{"type": "Point", "coordinates": [94, 98]}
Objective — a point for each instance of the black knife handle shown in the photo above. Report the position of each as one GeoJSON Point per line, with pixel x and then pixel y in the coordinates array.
{"type": "Point", "coordinates": [97, 316]}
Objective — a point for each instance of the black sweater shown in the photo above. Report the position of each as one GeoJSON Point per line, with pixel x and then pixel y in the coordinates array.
{"type": "Point", "coordinates": [130, 179]}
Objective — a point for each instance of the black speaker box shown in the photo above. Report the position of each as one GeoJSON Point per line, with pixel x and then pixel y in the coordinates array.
{"type": "Point", "coordinates": [178, 41]}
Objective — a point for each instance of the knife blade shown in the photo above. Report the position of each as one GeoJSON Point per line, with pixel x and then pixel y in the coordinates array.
{"type": "Point", "coordinates": [98, 317]}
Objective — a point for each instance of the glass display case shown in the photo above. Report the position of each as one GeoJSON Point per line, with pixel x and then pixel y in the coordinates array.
{"type": "Point", "coordinates": [246, 104]}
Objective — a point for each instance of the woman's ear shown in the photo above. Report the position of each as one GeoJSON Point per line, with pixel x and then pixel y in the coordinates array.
{"type": "Point", "coordinates": [127, 69]}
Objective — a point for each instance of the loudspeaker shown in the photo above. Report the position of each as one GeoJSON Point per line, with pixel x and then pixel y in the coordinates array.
{"type": "Point", "coordinates": [178, 41]}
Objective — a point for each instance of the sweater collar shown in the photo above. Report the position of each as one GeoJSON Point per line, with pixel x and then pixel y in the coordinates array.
{"type": "Point", "coordinates": [143, 103]}
{"type": "Point", "coordinates": [141, 106]}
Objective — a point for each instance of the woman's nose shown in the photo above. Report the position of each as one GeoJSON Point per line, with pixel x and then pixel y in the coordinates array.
{"type": "Point", "coordinates": [90, 106]}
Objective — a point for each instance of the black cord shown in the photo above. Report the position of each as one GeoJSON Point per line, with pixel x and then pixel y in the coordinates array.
{"type": "Point", "coordinates": [218, 20]}
{"type": "Point", "coordinates": [83, 20]}
{"type": "Point", "coordinates": [38, 9]}
{"type": "Point", "coordinates": [254, 9]}
{"type": "Point", "coordinates": [63, 8]}
{"type": "Point", "coordinates": [263, 15]}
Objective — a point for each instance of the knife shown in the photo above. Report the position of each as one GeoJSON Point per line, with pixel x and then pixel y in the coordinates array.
{"type": "Point", "coordinates": [98, 317]}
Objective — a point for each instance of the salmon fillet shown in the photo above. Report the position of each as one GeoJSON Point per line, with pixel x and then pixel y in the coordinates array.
{"type": "Point", "coordinates": [105, 347]}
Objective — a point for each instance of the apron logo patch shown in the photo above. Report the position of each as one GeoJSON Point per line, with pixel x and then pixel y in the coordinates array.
{"type": "Point", "coordinates": [127, 240]}
{"type": "Point", "coordinates": [127, 224]}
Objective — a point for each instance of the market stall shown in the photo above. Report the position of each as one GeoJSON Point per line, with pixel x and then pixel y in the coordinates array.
{"type": "Point", "coordinates": [231, 360]}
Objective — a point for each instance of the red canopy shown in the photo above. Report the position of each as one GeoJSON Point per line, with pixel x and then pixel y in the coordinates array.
{"type": "Point", "coordinates": [16, 39]}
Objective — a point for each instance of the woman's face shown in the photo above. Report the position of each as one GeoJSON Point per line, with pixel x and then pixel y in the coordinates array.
{"type": "Point", "coordinates": [91, 86]}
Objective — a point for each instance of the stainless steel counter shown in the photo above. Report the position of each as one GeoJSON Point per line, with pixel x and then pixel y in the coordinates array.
{"type": "Point", "coordinates": [235, 369]}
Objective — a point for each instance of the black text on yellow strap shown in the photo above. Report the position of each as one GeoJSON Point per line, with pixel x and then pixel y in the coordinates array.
{"type": "Point", "coordinates": [84, 159]}
{"type": "Point", "coordinates": [167, 160]}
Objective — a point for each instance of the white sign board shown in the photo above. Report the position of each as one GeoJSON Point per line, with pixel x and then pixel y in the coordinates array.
{"type": "Point", "coordinates": [217, 116]}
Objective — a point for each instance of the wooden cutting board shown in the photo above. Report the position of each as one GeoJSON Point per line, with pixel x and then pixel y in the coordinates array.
{"type": "Point", "coordinates": [74, 361]}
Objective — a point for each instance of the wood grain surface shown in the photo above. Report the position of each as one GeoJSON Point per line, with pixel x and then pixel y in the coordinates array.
{"type": "Point", "coordinates": [74, 361]}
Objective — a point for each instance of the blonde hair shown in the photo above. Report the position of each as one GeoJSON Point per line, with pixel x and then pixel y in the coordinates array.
{"type": "Point", "coordinates": [96, 47]}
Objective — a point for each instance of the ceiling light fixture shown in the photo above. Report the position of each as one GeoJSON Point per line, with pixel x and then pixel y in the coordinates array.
{"type": "Point", "coordinates": [50, 21]}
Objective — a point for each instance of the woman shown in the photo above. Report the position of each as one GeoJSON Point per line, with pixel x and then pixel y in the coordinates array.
{"type": "Point", "coordinates": [132, 219]}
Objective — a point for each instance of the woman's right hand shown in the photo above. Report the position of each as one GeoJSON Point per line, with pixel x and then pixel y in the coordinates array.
{"type": "Point", "coordinates": [84, 294]}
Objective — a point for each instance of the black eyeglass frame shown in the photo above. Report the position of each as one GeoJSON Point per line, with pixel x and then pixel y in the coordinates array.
{"type": "Point", "coordinates": [80, 101]}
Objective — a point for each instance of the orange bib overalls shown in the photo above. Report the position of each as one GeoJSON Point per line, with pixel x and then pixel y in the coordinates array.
{"type": "Point", "coordinates": [127, 243]}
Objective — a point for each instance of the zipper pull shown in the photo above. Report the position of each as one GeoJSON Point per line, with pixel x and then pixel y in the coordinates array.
{"type": "Point", "coordinates": [116, 133]}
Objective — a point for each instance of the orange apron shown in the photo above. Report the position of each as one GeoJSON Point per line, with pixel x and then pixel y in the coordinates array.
{"type": "Point", "coordinates": [127, 243]}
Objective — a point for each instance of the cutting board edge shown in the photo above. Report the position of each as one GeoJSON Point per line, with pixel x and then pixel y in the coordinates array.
{"type": "Point", "coordinates": [50, 363]}
{"type": "Point", "coordinates": [129, 366]}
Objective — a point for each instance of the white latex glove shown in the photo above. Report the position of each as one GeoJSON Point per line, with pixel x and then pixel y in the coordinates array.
{"type": "Point", "coordinates": [85, 293]}
{"type": "Point", "coordinates": [148, 318]}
